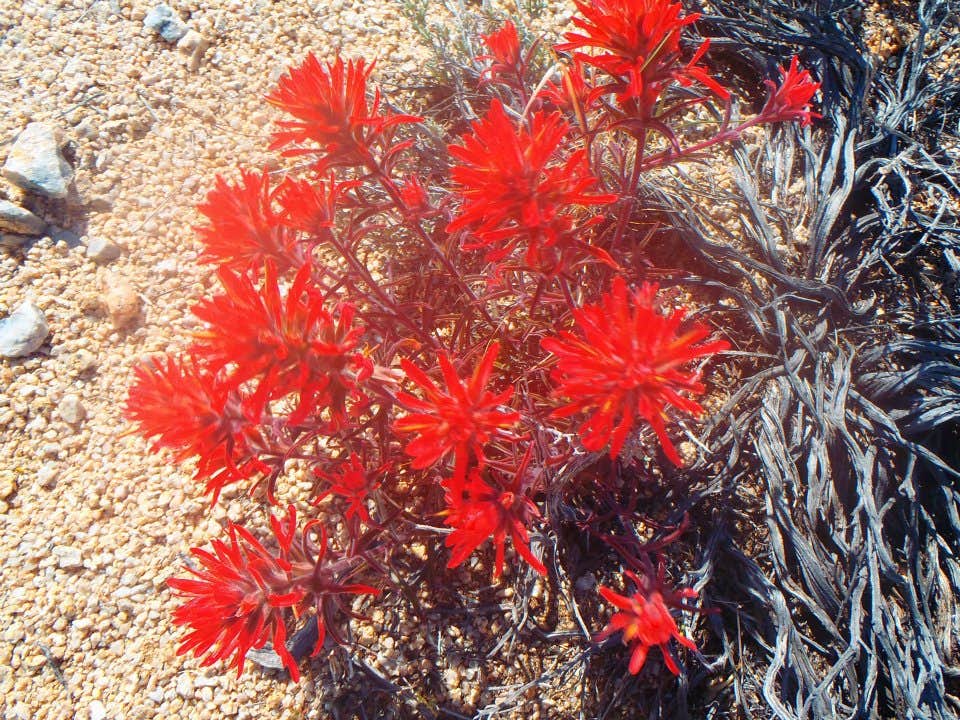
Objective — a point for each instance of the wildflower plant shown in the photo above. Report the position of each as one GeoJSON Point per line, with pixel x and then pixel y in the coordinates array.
{"type": "Point", "coordinates": [455, 345]}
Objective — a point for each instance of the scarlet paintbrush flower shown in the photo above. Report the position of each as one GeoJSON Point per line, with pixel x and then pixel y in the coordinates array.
{"type": "Point", "coordinates": [479, 511]}
{"type": "Point", "coordinates": [791, 99]}
{"type": "Point", "coordinates": [244, 229]}
{"type": "Point", "coordinates": [352, 483]}
{"type": "Point", "coordinates": [236, 600]}
{"type": "Point", "coordinates": [504, 46]}
{"type": "Point", "coordinates": [310, 207]}
{"type": "Point", "coordinates": [626, 364]}
{"type": "Point", "coordinates": [460, 420]}
{"type": "Point", "coordinates": [290, 344]}
{"type": "Point", "coordinates": [518, 185]}
{"type": "Point", "coordinates": [640, 44]}
{"type": "Point", "coordinates": [192, 412]}
{"type": "Point", "coordinates": [645, 620]}
{"type": "Point", "coordinates": [334, 118]}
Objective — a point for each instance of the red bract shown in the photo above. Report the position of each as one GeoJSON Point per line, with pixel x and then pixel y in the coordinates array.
{"type": "Point", "coordinates": [504, 46]}
{"type": "Point", "coordinates": [352, 483]}
{"type": "Point", "coordinates": [645, 620]}
{"type": "Point", "coordinates": [478, 511]}
{"type": "Point", "coordinates": [625, 364]}
{"type": "Point", "coordinates": [641, 40]}
{"type": "Point", "coordinates": [290, 344]}
{"type": "Point", "coordinates": [460, 420]}
{"type": "Point", "coordinates": [791, 100]}
{"type": "Point", "coordinates": [244, 230]}
{"type": "Point", "coordinates": [334, 117]}
{"type": "Point", "coordinates": [193, 413]}
{"type": "Point", "coordinates": [237, 600]}
{"type": "Point", "coordinates": [519, 186]}
{"type": "Point", "coordinates": [310, 206]}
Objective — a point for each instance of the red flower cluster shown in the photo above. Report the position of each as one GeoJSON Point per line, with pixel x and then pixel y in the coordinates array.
{"type": "Point", "coordinates": [519, 187]}
{"type": "Point", "coordinates": [291, 344]}
{"type": "Point", "coordinates": [334, 119]}
{"type": "Point", "coordinates": [507, 64]}
{"type": "Point", "coordinates": [461, 420]}
{"type": "Point", "coordinates": [641, 44]}
{"type": "Point", "coordinates": [244, 230]}
{"type": "Point", "coordinates": [283, 373]}
{"type": "Point", "coordinates": [645, 620]}
{"type": "Point", "coordinates": [626, 365]}
{"type": "Point", "coordinates": [478, 510]}
{"type": "Point", "coordinates": [195, 414]}
{"type": "Point", "coordinates": [351, 482]}
{"type": "Point", "coordinates": [790, 101]}
{"type": "Point", "coordinates": [236, 599]}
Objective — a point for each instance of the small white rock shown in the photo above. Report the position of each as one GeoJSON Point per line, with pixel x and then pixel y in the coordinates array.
{"type": "Point", "coordinates": [184, 687]}
{"type": "Point", "coordinates": [71, 409]}
{"type": "Point", "coordinates": [97, 711]}
{"type": "Point", "coordinates": [68, 557]}
{"type": "Point", "coordinates": [156, 695]}
{"type": "Point", "coordinates": [165, 22]}
{"type": "Point", "coordinates": [23, 331]}
{"type": "Point", "coordinates": [47, 475]}
{"type": "Point", "coordinates": [102, 251]}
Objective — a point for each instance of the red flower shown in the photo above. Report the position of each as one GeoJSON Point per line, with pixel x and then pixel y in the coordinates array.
{"type": "Point", "coordinates": [238, 597]}
{"type": "Point", "coordinates": [463, 418]}
{"type": "Point", "coordinates": [332, 111]}
{"type": "Point", "coordinates": [645, 620]}
{"type": "Point", "coordinates": [642, 43]}
{"type": "Point", "coordinates": [244, 230]}
{"type": "Point", "coordinates": [504, 46]}
{"type": "Point", "coordinates": [236, 602]}
{"type": "Point", "coordinates": [791, 100]}
{"type": "Point", "coordinates": [193, 413]}
{"type": "Point", "coordinates": [626, 364]}
{"type": "Point", "coordinates": [479, 511]}
{"type": "Point", "coordinates": [310, 207]}
{"type": "Point", "coordinates": [517, 187]}
{"type": "Point", "coordinates": [290, 344]}
{"type": "Point", "coordinates": [352, 483]}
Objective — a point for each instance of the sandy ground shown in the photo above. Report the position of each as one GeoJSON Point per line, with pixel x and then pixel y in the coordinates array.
{"type": "Point", "coordinates": [92, 524]}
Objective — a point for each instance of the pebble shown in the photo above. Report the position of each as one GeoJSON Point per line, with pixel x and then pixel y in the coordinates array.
{"type": "Point", "coordinates": [47, 475]}
{"type": "Point", "coordinates": [16, 219]}
{"type": "Point", "coordinates": [184, 687]}
{"type": "Point", "coordinates": [23, 331]}
{"type": "Point", "coordinates": [71, 409]}
{"type": "Point", "coordinates": [122, 302]}
{"type": "Point", "coordinates": [102, 251]}
{"type": "Point", "coordinates": [97, 711]}
{"type": "Point", "coordinates": [35, 162]}
{"type": "Point", "coordinates": [8, 486]}
{"type": "Point", "coordinates": [193, 45]}
{"type": "Point", "coordinates": [156, 695]}
{"type": "Point", "coordinates": [164, 21]}
{"type": "Point", "coordinates": [67, 557]}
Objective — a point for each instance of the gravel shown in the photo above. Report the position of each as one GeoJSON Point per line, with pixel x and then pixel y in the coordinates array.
{"type": "Point", "coordinates": [129, 102]}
